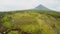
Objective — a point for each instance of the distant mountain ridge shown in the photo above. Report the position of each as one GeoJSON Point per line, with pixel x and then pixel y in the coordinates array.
{"type": "Point", "coordinates": [41, 7]}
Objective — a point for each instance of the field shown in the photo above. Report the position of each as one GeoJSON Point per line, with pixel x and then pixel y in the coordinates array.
{"type": "Point", "coordinates": [30, 22]}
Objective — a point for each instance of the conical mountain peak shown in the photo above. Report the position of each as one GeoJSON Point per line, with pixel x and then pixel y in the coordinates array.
{"type": "Point", "coordinates": [41, 7]}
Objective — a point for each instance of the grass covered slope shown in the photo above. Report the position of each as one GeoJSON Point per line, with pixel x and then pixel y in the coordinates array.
{"type": "Point", "coordinates": [30, 22]}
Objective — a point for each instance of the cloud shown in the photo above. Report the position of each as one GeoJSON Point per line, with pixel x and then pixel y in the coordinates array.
{"type": "Point", "coordinates": [51, 4]}
{"type": "Point", "coordinates": [17, 4]}
{"type": "Point", "coordinates": [28, 4]}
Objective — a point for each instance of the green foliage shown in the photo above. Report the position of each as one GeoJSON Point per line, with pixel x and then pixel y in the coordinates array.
{"type": "Point", "coordinates": [6, 21]}
{"type": "Point", "coordinates": [32, 21]}
{"type": "Point", "coordinates": [13, 32]}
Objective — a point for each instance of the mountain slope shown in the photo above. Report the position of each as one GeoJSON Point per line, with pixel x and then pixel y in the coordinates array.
{"type": "Point", "coordinates": [31, 22]}
{"type": "Point", "coordinates": [41, 7]}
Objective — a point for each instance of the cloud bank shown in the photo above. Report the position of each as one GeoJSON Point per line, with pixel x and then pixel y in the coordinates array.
{"type": "Point", "coordinates": [7, 5]}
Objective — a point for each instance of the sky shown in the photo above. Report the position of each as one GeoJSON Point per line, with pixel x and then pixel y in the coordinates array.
{"type": "Point", "coordinates": [8, 5]}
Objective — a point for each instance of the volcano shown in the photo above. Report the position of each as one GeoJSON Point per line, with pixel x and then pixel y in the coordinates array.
{"type": "Point", "coordinates": [41, 7]}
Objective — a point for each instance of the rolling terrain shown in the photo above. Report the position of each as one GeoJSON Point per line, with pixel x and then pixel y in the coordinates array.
{"type": "Point", "coordinates": [30, 22]}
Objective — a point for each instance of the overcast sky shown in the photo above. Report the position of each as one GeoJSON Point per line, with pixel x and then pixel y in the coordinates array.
{"type": "Point", "coordinates": [7, 5]}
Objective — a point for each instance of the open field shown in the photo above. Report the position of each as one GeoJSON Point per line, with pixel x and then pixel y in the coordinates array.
{"type": "Point", "coordinates": [30, 22]}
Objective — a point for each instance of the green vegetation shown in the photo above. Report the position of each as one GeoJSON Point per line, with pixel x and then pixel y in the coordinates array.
{"type": "Point", "coordinates": [30, 22]}
{"type": "Point", "coordinates": [13, 32]}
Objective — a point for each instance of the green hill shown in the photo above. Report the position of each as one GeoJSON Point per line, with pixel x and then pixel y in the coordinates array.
{"type": "Point", "coordinates": [30, 22]}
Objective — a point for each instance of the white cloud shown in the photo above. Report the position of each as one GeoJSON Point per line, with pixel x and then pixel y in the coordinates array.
{"type": "Point", "coordinates": [28, 4]}
{"type": "Point", "coordinates": [16, 4]}
{"type": "Point", "coordinates": [52, 4]}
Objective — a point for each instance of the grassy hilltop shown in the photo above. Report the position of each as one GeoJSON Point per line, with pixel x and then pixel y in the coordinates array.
{"type": "Point", "coordinates": [30, 22]}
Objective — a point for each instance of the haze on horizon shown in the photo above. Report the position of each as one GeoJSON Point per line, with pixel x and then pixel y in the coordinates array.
{"type": "Point", "coordinates": [7, 5]}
